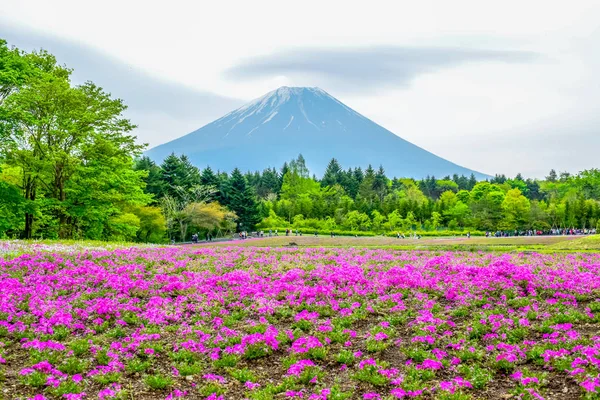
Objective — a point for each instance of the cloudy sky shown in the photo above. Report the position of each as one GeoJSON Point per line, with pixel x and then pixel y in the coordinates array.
{"type": "Point", "coordinates": [499, 87]}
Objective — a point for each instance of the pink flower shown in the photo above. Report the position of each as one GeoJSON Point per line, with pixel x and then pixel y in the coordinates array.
{"type": "Point", "coordinates": [251, 385]}
{"type": "Point", "coordinates": [371, 395]}
{"type": "Point", "coordinates": [213, 377]}
{"type": "Point", "coordinates": [297, 368]}
{"type": "Point", "coordinates": [430, 364]}
{"type": "Point", "coordinates": [366, 362]}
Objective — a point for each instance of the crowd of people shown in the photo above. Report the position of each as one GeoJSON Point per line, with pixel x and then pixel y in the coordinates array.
{"type": "Point", "coordinates": [548, 232]}
{"type": "Point", "coordinates": [195, 237]}
{"type": "Point", "coordinates": [506, 233]}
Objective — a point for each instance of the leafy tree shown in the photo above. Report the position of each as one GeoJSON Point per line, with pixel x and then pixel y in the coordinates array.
{"type": "Point", "coordinates": [51, 128]}
{"type": "Point", "coordinates": [516, 209]}
{"type": "Point", "coordinates": [152, 224]}
{"type": "Point", "coordinates": [12, 208]}
{"type": "Point", "coordinates": [378, 221]}
{"type": "Point", "coordinates": [356, 220]}
{"type": "Point", "coordinates": [299, 167]}
{"type": "Point", "coordinates": [208, 216]}
{"type": "Point", "coordinates": [436, 220]}
{"type": "Point", "coordinates": [179, 209]}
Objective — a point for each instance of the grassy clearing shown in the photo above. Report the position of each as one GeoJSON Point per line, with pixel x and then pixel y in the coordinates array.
{"type": "Point", "coordinates": [585, 243]}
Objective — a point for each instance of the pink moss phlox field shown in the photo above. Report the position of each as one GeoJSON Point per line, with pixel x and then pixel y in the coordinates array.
{"type": "Point", "coordinates": [252, 323]}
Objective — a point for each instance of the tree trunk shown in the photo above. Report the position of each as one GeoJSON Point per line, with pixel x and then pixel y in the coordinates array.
{"type": "Point", "coordinates": [28, 232]}
{"type": "Point", "coordinates": [65, 230]}
{"type": "Point", "coordinates": [30, 193]}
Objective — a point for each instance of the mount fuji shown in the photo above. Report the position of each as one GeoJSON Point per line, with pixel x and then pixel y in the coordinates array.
{"type": "Point", "coordinates": [298, 120]}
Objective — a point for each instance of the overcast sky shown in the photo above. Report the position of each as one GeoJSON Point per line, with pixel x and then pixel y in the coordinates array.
{"type": "Point", "coordinates": [499, 87]}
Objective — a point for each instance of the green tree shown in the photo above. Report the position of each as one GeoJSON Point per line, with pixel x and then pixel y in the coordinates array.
{"type": "Point", "coordinates": [333, 174]}
{"type": "Point", "coordinates": [51, 129]}
{"type": "Point", "coordinates": [436, 220]}
{"type": "Point", "coordinates": [242, 201]}
{"type": "Point", "coordinates": [356, 220]}
{"type": "Point", "coordinates": [154, 184]}
{"type": "Point", "coordinates": [12, 208]}
{"type": "Point", "coordinates": [179, 209]}
{"type": "Point", "coordinates": [516, 209]}
{"type": "Point", "coordinates": [378, 221]}
{"type": "Point", "coordinates": [152, 224]}
{"type": "Point", "coordinates": [178, 172]}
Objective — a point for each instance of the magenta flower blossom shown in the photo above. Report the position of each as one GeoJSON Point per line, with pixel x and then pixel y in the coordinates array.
{"type": "Point", "coordinates": [304, 344]}
{"type": "Point", "coordinates": [251, 386]}
{"type": "Point", "coordinates": [213, 377]}
{"type": "Point", "coordinates": [297, 368]}
{"type": "Point", "coordinates": [430, 364]}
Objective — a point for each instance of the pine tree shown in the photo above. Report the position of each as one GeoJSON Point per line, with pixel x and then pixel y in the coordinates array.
{"type": "Point", "coordinates": [380, 184]}
{"type": "Point", "coordinates": [349, 183]}
{"type": "Point", "coordinates": [472, 182]}
{"type": "Point", "coordinates": [269, 183]}
{"type": "Point", "coordinates": [242, 201]}
{"type": "Point", "coordinates": [366, 189]}
{"type": "Point", "coordinates": [191, 173]}
{"type": "Point", "coordinates": [178, 172]}
{"type": "Point", "coordinates": [171, 174]}
{"type": "Point", "coordinates": [208, 178]}
{"type": "Point", "coordinates": [358, 175]}
{"type": "Point", "coordinates": [154, 183]}
{"type": "Point", "coordinates": [223, 188]}
{"type": "Point", "coordinates": [332, 175]}
{"type": "Point", "coordinates": [519, 177]}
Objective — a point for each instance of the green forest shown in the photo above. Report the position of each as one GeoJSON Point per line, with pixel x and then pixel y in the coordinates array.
{"type": "Point", "coordinates": [71, 168]}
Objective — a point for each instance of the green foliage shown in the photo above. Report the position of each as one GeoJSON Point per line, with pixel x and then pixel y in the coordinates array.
{"type": "Point", "coordinates": [136, 365]}
{"type": "Point", "coordinates": [243, 375]}
{"type": "Point", "coordinates": [370, 375]}
{"type": "Point", "coordinates": [345, 357]}
{"type": "Point", "coordinates": [73, 365]}
{"type": "Point", "coordinates": [478, 376]}
{"type": "Point", "coordinates": [158, 382]}
{"type": "Point", "coordinates": [107, 378]}
{"type": "Point", "coordinates": [242, 201]}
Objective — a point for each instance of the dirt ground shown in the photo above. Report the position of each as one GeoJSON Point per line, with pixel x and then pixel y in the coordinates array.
{"type": "Point", "coordinates": [534, 242]}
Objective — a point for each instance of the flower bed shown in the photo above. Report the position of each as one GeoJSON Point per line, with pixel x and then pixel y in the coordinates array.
{"type": "Point", "coordinates": [248, 323]}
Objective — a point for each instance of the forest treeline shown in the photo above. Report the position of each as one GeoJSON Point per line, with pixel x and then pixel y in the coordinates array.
{"type": "Point", "coordinates": [70, 167]}
{"type": "Point", "coordinates": [357, 201]}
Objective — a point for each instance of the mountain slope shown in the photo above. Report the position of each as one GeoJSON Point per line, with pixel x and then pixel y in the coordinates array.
{"type": "Point", "coordinates": [288, 121]}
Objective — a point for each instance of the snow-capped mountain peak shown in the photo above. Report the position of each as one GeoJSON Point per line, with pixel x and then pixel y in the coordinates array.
{"type": "Point", "coordinates": [287, 121]}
